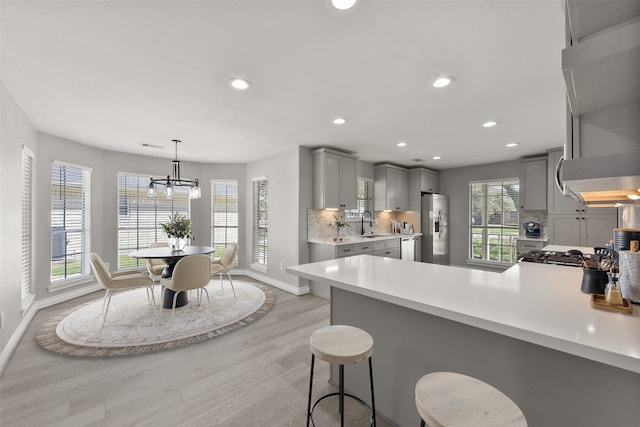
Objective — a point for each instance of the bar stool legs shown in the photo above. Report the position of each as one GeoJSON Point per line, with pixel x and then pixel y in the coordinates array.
{"type": "Point", "coordinates": [340, 345]}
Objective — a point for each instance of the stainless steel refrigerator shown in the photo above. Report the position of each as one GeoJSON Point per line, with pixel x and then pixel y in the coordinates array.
{"type": "Point", "coordinates": [434, 218]}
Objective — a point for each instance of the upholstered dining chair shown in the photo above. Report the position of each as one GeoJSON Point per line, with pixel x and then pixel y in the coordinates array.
{"type": "Point", "coordinates": [225, 264]}
{"type": "Point", "coordinates": [118, 281]}
{"type": "Point", "coordinates": [155, 266]}
{"type": "Point", "coordinates": [190, 272]}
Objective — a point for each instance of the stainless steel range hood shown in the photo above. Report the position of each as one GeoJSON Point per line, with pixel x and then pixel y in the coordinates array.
{"type": "Point", "coordinates": [605, 180]}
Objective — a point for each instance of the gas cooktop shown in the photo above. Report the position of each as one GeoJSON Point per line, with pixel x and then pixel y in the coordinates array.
{"type": "Point", "coordinates": [558, 258]}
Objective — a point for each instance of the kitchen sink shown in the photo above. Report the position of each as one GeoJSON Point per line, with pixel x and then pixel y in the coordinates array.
{"type": "Point", "coordinates": [371, 236]}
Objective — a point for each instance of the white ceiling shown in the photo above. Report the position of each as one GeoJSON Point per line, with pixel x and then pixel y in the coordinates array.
{"type": "Point", "coordinates": [118, 74]}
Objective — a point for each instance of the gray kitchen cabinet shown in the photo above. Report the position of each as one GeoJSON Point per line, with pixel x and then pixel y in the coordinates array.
{"type": "Point", "coordinates": [421, 180]}
{"type": "Point", "coordinates": [390, 188]}
{"type": "Point", "coordinates": [355, 249]}
{"type": "Point", "coordinates": [573, 223]}
{"type": "Point", "coordinates": [533, 184]}
{"type": "Point", "coordinates": [581, 230]}
{"type": "Point", "coordinates": [387, 248]}
{"type": "Point", "coordinates": [334, 180]}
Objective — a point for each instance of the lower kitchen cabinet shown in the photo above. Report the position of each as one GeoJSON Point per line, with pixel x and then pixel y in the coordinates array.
{"type": "Point", "coordinates": [387, 248]}
{"type": "Point", "coordinates": [588, 231]}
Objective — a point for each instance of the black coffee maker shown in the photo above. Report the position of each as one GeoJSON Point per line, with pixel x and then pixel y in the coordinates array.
{"type": "Point", "coordinates": [531, 229]}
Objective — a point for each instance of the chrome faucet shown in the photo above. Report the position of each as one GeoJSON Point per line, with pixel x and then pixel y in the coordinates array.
{"type": "Point", "coordinates": [362, 221]}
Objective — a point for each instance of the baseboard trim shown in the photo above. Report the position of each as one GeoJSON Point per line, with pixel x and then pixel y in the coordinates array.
{"type": "Point", "coordinates": [287, 287]}
{"type": "Point", "coordinates": [11, 346]}
{"type": "Point", "coordinates": [28, 316]}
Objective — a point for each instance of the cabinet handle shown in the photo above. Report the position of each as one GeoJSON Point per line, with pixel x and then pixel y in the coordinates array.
{"type": "Point", "coordinates": [577, 218]}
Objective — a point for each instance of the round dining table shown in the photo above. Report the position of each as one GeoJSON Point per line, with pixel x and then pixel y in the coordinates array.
{"type": "Point", "coordinates": [171, 257]}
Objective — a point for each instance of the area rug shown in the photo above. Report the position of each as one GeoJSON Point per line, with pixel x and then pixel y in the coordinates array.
{"type": "Point", "coordinates": [134, 327]}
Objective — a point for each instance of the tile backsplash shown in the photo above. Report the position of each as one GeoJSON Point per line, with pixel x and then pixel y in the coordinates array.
{"type": "Point", "coordinates": [320, 224]}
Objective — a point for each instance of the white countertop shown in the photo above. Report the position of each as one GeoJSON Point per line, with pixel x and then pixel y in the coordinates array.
{"type": "Point", "coordinates": [350, 240]}
{"type": "Point", "coordinates": [537, 303]}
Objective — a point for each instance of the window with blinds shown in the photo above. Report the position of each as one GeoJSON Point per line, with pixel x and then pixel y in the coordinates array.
{"type": "Point", "coordinates": [140, 216]}
{"type": "Point", "coordinates": [224, 214]}
{"type": "Point", "coordinates": [26, 253]}
{"type": "Point", "coordinates": [364, 200]}
{"type": "Point", "coordinates": [260, 239]}
{"type": "Point", "coordinates": [70, 221]}
{"type": "Point", "coordinates": [494, 223]}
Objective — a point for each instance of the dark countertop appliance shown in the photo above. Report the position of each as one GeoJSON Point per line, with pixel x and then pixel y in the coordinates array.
{"type": "Point", "coordinates": [531, 229]}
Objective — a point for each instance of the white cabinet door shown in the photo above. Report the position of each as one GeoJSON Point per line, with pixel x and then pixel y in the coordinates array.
{"type": "Point", "coordinates": [334, 180]}
{"type": "Point", "coordinates": [391, 188]}
{"type": "Point", "coordinates": [564, 230]}
{"type": "Point", "coordinates": [348, 183]}
{"type": "Point", "coordinates": [401, 191]}
{"type": "Point", "coordinates": [598, 230]}
{"type": "Point", "coordinates": [429, 181]}
{"type": "Point", "coordinates": [533, 185]}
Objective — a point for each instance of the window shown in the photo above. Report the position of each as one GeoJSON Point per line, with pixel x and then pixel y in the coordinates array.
{"type": "Point", "coordinates": [70, 222]}
{"type": "Point", "coordinates": [26, 253]}
{"type": "Point", "coordinates": [364, 200]}
{"type": "Point", "coordinates": [224, 214]}
{"type": "Point", "coordinates": [140, 216]}
{"type": "Point", "coordinates": [260, 239]}
{"type": "Point", "coordinates": [494, 224]}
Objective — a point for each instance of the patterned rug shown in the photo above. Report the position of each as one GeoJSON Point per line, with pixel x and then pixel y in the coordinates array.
{"type": "Point", "coordinates": [134, 327]}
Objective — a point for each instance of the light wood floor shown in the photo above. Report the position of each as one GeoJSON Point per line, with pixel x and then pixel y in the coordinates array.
{"type": "Point", "coordinates": [257, 375]}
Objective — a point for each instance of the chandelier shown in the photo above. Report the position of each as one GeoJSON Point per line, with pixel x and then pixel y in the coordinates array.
{"type": "Point", "coordinates": [175, 181]}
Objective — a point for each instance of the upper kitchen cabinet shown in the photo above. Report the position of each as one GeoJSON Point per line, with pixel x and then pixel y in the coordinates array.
{"type": "Point", "coordinates": [390, 188]}
{"type": "Point", "coordinates": [334, 180]}
{"type": "Point", "coordinates": [601, 63]}
{"type": "Point", "coordinates": [533, 184]}
{"type": "Point", "coordinates": [421, 180]}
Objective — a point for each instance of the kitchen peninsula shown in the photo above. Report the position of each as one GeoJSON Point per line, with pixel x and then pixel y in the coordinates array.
{"type": "Point", "coordinates": [529, 331]}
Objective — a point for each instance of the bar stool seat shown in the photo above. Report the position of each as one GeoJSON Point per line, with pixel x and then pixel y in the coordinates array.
{"type": "Point", "coordinates": [341, 345]}
{"type": "Point", "coordinates": [452, 399]}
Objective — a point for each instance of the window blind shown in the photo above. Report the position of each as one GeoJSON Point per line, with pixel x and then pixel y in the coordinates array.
{"type": "Point", "coordinates": [224, 214]}
{"type": "Point", "coordinates": [26, 253]}
{"type": "Point", "coordinates": [140, 216]}
{"type": "Point", "coordinates": [494, 222]}
{"type": "Point", "coordinates": [260, 222]}
{"type": "Point", "coordinates": [70, 221]}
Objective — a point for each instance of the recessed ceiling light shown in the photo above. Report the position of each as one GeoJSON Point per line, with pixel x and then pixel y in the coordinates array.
{"type": "Point", "coordinates": [343, 4]}
{"type": "Point", "coordinates": [436, 157]}
{"type": "Point", "coordinates": [489, 124]}
{"type": "Point", "coordinates": [240, 84]}
{"type": "Point", "coordinates": [511, 145]}
{"type": "Point", "coordinates": [442, 82]}
{"type": "Point", "coordinates": [339, 121]}
{"type": "Point", "coordinates": [401, 144]}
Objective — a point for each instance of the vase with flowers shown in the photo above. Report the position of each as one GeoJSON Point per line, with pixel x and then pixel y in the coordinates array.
{"type": "Point", "coordinates": [339, 222]}
{"type": "Point", "coordinates": [178, 230]}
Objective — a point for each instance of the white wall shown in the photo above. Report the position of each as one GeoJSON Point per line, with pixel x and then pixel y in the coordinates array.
{"type": "Point", "coordinates": [286, 235]}
{"type": "Point", "coordinates": [455, 184]}
{"type": "Point", "coordinates": [15, 131]}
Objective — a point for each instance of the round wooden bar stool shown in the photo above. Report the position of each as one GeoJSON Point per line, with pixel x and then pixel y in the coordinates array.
{"type": "Point", "coordinates": [341, 345]}
{"type": "Point", "coordinates": [451, 399]}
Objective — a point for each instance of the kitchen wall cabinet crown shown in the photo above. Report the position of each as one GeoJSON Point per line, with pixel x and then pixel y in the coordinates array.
{"type": "Point", "coordinates": [390, 188]}
{"type": "Point", "coordinates": [421, 180]}
{"type": "Point", "coordinates": [334, 180]}
{"type": "Point", "coordinates": [533, 184]}
{"type": "Point", "coordinates": [572, 223]}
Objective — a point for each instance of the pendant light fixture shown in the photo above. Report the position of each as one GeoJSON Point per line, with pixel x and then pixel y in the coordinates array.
{"type": "Point", "coordinates": [175, 181]}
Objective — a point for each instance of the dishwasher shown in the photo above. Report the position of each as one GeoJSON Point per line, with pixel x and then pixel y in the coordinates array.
{"type": "Point", "coordinates": [408, 248]}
